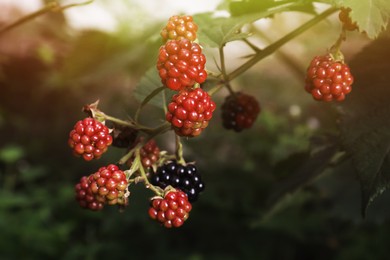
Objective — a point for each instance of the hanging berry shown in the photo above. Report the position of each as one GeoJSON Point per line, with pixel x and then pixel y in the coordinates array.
{"type": "Point", "coordinates": [89, 139]}
{"type": "Point", "coordinates": [172, 210]}
{"type": "Point", "coordinates": [328, 79]}
{"type": "Point", "coordinates": [190, 111]}
{"type": "Point", "coordinates": [239, 111]}
{"type": "Point", "coordinates": [106, 186]}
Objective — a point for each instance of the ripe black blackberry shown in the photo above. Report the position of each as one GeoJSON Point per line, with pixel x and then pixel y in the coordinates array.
{"type": "Point", "coordinates": [239, 111]}
{"type": "Point", "coordinates": [183, 177]}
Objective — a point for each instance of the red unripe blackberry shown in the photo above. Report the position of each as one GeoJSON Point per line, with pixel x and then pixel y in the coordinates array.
{"type": "Point", "coordinates": [345, 19]}
{"type": "Point", "coordinates": [150, 153]}
{"type": "Point", "coordinates": [190, 111]}
{"type": "Point", "coordinates": [328, 79]}
{"type": "Point", "coordinates": [106, 186]}
{"type": "Point", "coordinates": [89, 139]}
{"type": "Point", "coordinates": [179, 27]}
{"type": "Point", "coordinates": [181, 64]}
{"type": "Point", "coordinates": [172, 210]}
{"type": "Point", "coordinates": [239, 111]}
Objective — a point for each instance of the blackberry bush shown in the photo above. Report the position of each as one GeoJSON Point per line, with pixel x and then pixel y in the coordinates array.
{"type": "Point", "coordinates": [180, 66]}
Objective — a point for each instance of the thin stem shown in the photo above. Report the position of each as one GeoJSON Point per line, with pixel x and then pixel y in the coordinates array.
{"type": "Point", "coordinates": [160, 129]}
{"type": "Point", "coordinates": [335, 49]}
{"type": "Point", "coordinates": [179, 151]}
{"type": "Point", "coordinates": [285, 57]}
{"type": "Point", "coordinates": [215, 89]}
{"type": "Point", "coordinates": [223, 70]}
{"type": "Point", "coordinates": [126, 157]}
{"type": "Point", "coordinates": [148, 185]}
{"type": "Point", "coordinates": [273, 47]}
{"type": "Point", "coordinates": [119, 121]}
{"type": "Point", "coordinates": [61, 8]}
{"type": "Point", "coordinates": [251, 45]}
{"type": "Point", "coordinates": [50, 7]}
{"type": "Point", "coordinates": [164, 98]}
{"type": "Point", "coordinates": [222, 60]}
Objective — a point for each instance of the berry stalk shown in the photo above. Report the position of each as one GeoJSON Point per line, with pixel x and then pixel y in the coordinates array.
{"type": "Point", "coordinates": [223, 70]}
{"type": "Point", "coordinates": [179, 151]}
{"type": "Point", "coordinates": [148, 185]}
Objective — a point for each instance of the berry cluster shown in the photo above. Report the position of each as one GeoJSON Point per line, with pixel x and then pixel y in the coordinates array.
{"type": "Point", "coordinates": [172, 210]}
{"type": "Point", "coordinates": [189, 112]}
{"type": "Point", "coordinates": [106, 186]}
{"type": "Point", "coordinates": [239, 111]}
{"type": "Point", "coordinates": [179, 27]}
{"type": "Point", "coordinates": [183, 177]}
{"type": "Point", "coordinates": [89, 138]}
{"type": "Point", "coordinates": [181, 64]}
{"type": "Point", "coordinates": [328, 79]}
{"type": "Point", "coordinates": [346, 20]}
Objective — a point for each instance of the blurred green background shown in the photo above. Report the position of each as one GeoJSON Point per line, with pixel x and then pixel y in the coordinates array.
{"type": "Point", "coordinates": [49, 70]}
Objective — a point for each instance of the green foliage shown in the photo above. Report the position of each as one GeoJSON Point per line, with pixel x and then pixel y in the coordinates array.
{"type": "Point", "coordinates": [371, 16]}
{"type": "Point", "coordinates": [217, 31]}
{"type": "Point", "coordinates": [146, 86]}
{"type": "Point", "coordinates": [365, 120]}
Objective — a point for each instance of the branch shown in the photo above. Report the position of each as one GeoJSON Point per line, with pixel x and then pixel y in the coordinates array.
{"type": "Point", "coordinates": [50, 7]}
{"type": "Point", "coordinates": [276, 45]}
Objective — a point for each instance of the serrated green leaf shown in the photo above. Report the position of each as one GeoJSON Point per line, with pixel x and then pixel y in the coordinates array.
{"type": "Point", "coordinates": [149, 83]}
{"type": "Point", "coordinates": [370, 15]}
{"type": "Point", "coordinates": [215, 32]}
{"type": "Point", "coordinates": [365, 122]}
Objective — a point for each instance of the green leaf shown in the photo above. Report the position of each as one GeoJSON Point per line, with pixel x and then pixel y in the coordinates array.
{"type": "Point", "coordinates": [217, 31]}
{"type": "Point", "coordinates": [365, 121]}
{"type": "Point", "coordinates": [305, 168]}
{"type": "Point", "coordinates": [149, 83]}
{"type": "Point", "coordinates": [370, 15]}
